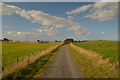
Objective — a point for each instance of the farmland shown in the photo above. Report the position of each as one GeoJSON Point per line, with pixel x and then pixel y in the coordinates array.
{"type": "Point", "coordinates": [35, 69]}
{"type": "Point", "coordinates": [33, 59]}
{"type": "Point", "coordinates": [11, 50]}
{"type": "Point", "coordinates": [91, 65]}
{"type": "Point", "coordinates": [107, 49]}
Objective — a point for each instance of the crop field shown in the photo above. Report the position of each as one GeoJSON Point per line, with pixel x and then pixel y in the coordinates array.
{"type": "Point", "coordinates": [107, 49]}
{"type": "Point", "coordinates": [10, 51]}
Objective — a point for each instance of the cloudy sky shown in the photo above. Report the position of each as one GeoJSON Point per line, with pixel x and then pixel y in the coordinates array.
{"type": "Point", "coordinates": [58, 21]}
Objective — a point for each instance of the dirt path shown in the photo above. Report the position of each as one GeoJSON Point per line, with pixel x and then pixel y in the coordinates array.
{"type": "Point", "coordinates": [62, 66]}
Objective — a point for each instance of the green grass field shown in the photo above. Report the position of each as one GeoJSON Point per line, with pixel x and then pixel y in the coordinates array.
{"type": "Point", "coordinates": [90, 67]}
{"type": "Point", "coordinates": [107, 49]}
{"type": "Point", "coordinates": [35, 69]}
{"type": "Point", "coordinates": [11, 50]}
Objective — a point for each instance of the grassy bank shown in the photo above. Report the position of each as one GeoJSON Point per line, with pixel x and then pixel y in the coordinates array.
{"type": "Point", "coordinates": [107, 49]}
{"type": "Point", "coordinates": [93, 67]}
{"type": "Point", "coordinates": [10, 51]}
{"type": "Point", "coordinates": [24, 59]}
{"type": "Point", "coordinates": [35, 69]}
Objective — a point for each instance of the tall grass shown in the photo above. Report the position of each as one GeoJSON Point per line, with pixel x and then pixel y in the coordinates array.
{"type": "Point", "coordinates": [92, 66]}
{"type": "Point", "coordinates": [33, 70]}
{"type": "Point", "coordinates": [10, 51]}
{"type": "Point", "coordinates": [107, 49]}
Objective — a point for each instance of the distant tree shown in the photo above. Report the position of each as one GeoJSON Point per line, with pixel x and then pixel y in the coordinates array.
{"type": "Point", "coordinates": [75, 41]}
{"type": "Point", "coordinates": [38, 40]}
{"type": "Point", "coordinates": [6, 39]}
{"type": "Point", "coordinates": [41, 41]}
{"type": "Point", "coordinates": [59, 41]}
{"type": "Point", "coordinates": [68, 40]}
{"type": "Point", "coordinates": [11, 40]}
{"type": "Point", "coordinates": [79, 41]}
{"type": "Point", "coordinates": [56, 41]}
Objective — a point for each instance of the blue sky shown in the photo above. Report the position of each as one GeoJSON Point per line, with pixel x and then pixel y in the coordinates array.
{"type": "Point", "coordinates": [59, 0]}
{"type": "Point", "coordinates": [37, 25]}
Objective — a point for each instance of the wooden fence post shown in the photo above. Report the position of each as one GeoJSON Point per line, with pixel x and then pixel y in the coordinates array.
{"type": "Point", "coordinates": [28, 58]}
{"type": "Point", "coordinates": [28, 55]}
{"type": "Point", "coordinates": [2, 68]}
{"type": "Point", "coordinates": [17, 58]}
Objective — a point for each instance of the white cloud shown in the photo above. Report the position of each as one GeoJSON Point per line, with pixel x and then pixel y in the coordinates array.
{"type": "Point", "coordinates": [18, 35]}
{"type": "Point", "coordinates": [39, 30]}
{"type": "Point", "coordinates": [48, 32]}
{"type": "Point", "coordinates": [25, 33]}
{"type": "Point", "coordinates": [8, 9]}
{"type": "Point", "coordinates": [79, 30]}
{"type": "Point", "coordinates": [9, 33]}
{"type": "Point", "coordinates": [102, 32]}
{"type": "Point", "coordinates": [44, 18]}
{"type": "Point", "coordinates": [102, 11]}
{"type": "Point", "coordinates": [79, 10]}
{"type": "Point", "coordinates": [53, 32]}
{"type": "Point", "coordinates": [70, 17]}
{"type": "Point", "coordinates": [109, 0]}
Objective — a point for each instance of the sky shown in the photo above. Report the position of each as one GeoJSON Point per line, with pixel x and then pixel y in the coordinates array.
{"type": "Point", "coordinates": [52, 21]}
{"type": "Point", "coordinates": [60, 0]}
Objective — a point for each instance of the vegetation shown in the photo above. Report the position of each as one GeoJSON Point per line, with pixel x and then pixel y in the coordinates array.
{"type": "Point", "coordinates": [16, 52]}
{"type": "Point", "coordinates": [68, 40]}
{"type": "Point", "coordinates": [107, 49]}
{"type": "Point", "coordinates": [93, 67]}
{"type": "Point", "coordinates": [6, 39]}
{"type": "Point", "coordinates": [35, 69]}
{"type": "Point", "coordinates": [38, 40]}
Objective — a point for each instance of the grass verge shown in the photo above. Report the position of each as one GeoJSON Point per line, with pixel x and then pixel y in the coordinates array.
{"type": "Point", "coordinates": [31, 58]}
{"type": "Point", "coordinates": [13, 53]}
{"type": "Point", "coordinates": [34, 69]}
{"type": "Point", "coordinates": [107, 49]}
{"type": "Point", "coordinates": [93, 67]}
